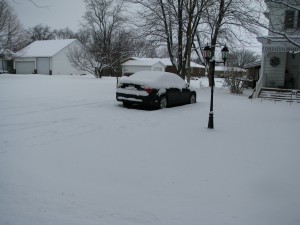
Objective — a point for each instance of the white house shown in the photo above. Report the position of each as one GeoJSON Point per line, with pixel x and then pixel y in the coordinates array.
{"type": "Point", "coordinates": [132, 66]}
{"type": "Point", "coordinates": [135, 64]}
{"type": "Point", "coordinates": [46, 57]}
{"type": "Point", "coordinates": [280, 65]}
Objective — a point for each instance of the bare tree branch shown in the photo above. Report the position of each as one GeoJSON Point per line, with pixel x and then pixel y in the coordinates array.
{"type": "Point", "coordinates": [34, 3]}
{"type": "Point", "coordinates": [11, 30]}
{"type": "Point", "coordinates": [172, 23]}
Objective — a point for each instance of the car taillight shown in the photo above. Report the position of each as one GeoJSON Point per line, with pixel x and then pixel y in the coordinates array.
{"type": "Point", "coordinates": [148, 90]}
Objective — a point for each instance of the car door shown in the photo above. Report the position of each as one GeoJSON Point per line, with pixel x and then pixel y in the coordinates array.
{"type": "Point", "coordinates": [185, 94]}
{"type": "Point", "coordinates": [174, 96]}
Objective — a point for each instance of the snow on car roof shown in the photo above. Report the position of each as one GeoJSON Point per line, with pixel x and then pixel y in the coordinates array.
{"type": "Point", "coordinates": [155, 79]}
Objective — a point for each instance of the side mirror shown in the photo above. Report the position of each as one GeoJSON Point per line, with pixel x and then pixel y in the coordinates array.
{"type": "Point", "coordinates": [187, 85]}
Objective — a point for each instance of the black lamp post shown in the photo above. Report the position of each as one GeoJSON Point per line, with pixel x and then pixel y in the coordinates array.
{"type": "Point", "coordinates": [209, 57]}
{"type": "Point", "coordinates": [207, 53]}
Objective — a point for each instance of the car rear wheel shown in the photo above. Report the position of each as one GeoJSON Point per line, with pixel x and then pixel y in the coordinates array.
{"type": "Point", "coordinates": [163, 102]}
{"type": "Point", "coordinates": [192, 99]}
{"type": "Point", "coordinates": [127, 104]}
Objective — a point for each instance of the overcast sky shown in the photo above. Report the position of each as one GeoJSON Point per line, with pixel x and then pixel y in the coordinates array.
{"type": "Point", "coordinates": [63, 13]}
{"type": "Point", "coordinates": [58, 13]}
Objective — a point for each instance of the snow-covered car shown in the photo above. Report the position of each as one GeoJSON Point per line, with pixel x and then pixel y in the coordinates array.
{"type": "Point", "coordinates": [154, 89]}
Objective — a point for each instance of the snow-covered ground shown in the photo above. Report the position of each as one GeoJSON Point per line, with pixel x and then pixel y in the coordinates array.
{"type": "Point", "coordinates": [70, 154]}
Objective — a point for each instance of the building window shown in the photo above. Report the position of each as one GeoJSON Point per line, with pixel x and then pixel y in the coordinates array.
{"type": "Point", "coordinates": [289, 19]}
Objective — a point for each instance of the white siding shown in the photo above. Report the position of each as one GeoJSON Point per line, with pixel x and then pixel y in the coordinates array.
{"type": "Point", "coordinates": [275, 45]}
{"type": "Point", "coordinates": [129, 69]}
{"type": "Point", "coordinates": [275, 75]}
{"type": "Point", "coordinates": [60, 64]}
{"type": "Point", "coordinates": [134, 69]}
{"type": "Point", "coordinates": [158, 67]}
{"type": "Point", "coordinates": [277, 17]}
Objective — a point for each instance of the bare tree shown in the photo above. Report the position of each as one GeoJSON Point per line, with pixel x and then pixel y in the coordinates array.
{"type": "Point", "coordinates": [227, 21]}
{"type": "Point", "coordinates": [40, 32]}
{"type": "Point", "coordinates": [11, 30]}
{"type": "Point", "coordinates": [84, 60]}
{"type": "Point", "coordinates": [124, 44]}
{"type": "Point", "coordinates": [172, 23]}
{"type": "Point", "coordinates": [65, 33]}
{"type": "Point", "coordinates": [83, 35]}
{"type": "Point", "coordinates": [132, 44]}
{"type": "Point", "coordinates": [103, 21]}
{"type": "Point", "coordinates": [239, 58]}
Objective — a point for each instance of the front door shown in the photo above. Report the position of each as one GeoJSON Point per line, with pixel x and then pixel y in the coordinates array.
{"type": "Point", "coordinates": [292, 79]}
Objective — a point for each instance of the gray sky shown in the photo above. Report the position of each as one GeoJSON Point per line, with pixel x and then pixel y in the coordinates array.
{"type": "Point", "coordinates": [64, 13]}
{"type": "Point", "coordinates": [58, 14]}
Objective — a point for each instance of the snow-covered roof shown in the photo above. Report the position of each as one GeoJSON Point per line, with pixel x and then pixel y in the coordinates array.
{"type": "Point", "coordinates": [280, 44]}
{"type": "Point", "coordinates": [276, 39]}
{"type": "Point", "coordinates": [253, 64]}
{"type": "Point", "coordinates": [228, 68]}
{"type": "Point", "coordinates": [46, 48]}
{"type": "Point", "coordinates": [165, 61]}
{"type": "Point", "coordinates": [142, 62]}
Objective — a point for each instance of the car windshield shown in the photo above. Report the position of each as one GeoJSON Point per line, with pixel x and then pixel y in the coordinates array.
{"type": "Point", "coordinates": [155, 79]}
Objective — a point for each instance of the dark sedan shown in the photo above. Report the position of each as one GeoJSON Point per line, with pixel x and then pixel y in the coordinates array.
{"type": "Point", "coordinates": [155, 89]}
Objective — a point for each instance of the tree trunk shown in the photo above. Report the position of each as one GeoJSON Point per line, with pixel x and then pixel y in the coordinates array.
{"type": "Point", "coordinates": [180, 67]}
{"type": "Point", "coordinates": [221, 14]}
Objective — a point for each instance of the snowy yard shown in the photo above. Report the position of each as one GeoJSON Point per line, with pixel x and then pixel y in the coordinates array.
{"type": "Point", "coordinates": [70, 154]}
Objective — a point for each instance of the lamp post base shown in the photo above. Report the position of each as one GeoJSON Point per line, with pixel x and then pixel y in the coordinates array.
{"type": "Point", "coordinates": [211, 120]}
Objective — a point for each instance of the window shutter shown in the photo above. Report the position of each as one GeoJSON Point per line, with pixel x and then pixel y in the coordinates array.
{"type": "Point", "coordinates": [298, 21]}
{"type": "Point", "coordinates": [289, 19]}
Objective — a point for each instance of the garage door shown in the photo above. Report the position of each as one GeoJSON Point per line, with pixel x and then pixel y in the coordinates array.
{"type": "Point", "coordinates": [43, 65]}
{"type": "Point", "coordinates": [26, 67]}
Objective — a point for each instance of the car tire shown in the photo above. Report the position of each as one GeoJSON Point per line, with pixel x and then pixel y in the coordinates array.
{"type": "Point", "coordinates": [192, 99]}
{"type": "Point", "coordinates": [163, 102]}
{"type": "Point", "coordinates": [127, 104]}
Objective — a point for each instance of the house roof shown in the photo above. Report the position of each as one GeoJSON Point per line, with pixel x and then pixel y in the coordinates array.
{"type": "Point", "coordinates": [46, 48]}
{"type": "Point", "coordinates": [165, 61]}
{"type": "Point", "coordinates": [276, 39]}
{"type": "Point", "coordinates": [279, 44]}
{"type": "Point", "coordinates": [253, 64]}
{"type": "Point", "coordinates": [142, 62]}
